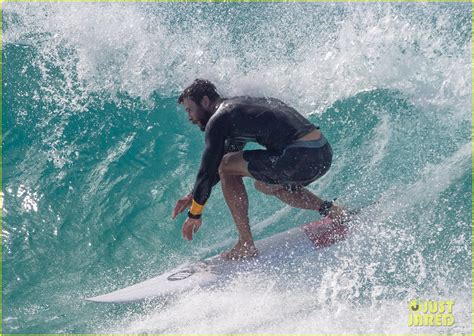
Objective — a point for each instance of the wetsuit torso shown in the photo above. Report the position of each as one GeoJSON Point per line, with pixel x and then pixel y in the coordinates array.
{"type": "Point", "coordinates": [266, 121]}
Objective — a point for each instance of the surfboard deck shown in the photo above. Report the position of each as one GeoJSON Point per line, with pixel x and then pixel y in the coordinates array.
{"type": "Point", "coordinates": [278, 249]}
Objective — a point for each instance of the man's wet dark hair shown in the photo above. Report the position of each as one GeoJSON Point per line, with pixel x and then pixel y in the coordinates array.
{"type": "Point", "coordinates": [197, 90]}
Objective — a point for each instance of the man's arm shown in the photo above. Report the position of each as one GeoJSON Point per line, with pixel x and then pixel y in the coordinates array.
{"type": "Point", "coordinates": [210, 161]}
{"type": "Point", "coordinates": [207, 176]}
{"type": "Point", "coordinates": [185, 202]}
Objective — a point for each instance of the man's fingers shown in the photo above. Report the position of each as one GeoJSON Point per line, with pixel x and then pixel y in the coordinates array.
{"type": "Point", "coordinates": [196, 227]}
{"type": "Point", "coordinates": [188, 231]}
{"type": "Point", "coordinates": [185, 232]}
{"type": "Point", "coordinates": [175, 212]}
{"type": "Point", "coordinates": [189, 234]}
{"type": "Point", "coordinates": [180, 206]}
{"type": "Point", "coordinates": [180, 209]}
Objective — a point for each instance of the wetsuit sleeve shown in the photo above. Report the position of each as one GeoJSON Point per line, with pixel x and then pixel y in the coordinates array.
{"type": "Point", "coordinates": [211, 158]}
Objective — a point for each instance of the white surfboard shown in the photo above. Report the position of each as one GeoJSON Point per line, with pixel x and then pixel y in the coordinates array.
{"type": "Point", "coordinates": [273, 251]}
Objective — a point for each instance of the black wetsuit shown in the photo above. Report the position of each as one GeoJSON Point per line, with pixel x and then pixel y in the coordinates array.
{"type": "Point", "coordinates": [272, 124]}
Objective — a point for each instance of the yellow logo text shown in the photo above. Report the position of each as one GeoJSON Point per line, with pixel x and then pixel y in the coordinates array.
{"type": "Point", "coordinates": [429, 313]}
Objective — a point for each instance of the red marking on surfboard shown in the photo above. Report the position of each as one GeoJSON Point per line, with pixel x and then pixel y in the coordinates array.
{"type": "Point", "coordinates": [325, 232]}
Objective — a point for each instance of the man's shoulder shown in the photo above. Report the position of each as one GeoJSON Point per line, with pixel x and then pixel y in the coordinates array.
{"type": "Point", "coordinates": [234, 103]}
{"type": "Point", "coordinates": [229, 104]}
{"type": "Point", "coordinates": [219, 119]}
{"type": "Point", "coordinates": [228, 109]}
{"type": "Point", "coordinates": [248, 100]}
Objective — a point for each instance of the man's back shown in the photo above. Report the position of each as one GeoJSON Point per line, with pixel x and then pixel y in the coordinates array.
{"type": "Point", "coordinates": [267, 121]}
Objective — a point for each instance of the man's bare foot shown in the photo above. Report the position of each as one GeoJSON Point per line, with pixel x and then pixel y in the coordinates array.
{"type": "Point", "coordinates": [240, 251]}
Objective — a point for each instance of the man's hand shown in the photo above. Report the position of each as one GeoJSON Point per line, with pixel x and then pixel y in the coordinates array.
{"type": "Point", "coordinates": [191, 226]}
{"type": "Point", "coordinates": [182, 204]}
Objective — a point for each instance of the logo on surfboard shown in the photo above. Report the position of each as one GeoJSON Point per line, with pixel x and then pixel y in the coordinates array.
{"type": "Point", "coordinates": [181, 275]}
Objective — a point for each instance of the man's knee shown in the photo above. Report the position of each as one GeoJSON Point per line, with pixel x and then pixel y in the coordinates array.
{"type": "Point", "coordinates": [230, 164]}
{"type": "Point", "coordinates": [268, 189]}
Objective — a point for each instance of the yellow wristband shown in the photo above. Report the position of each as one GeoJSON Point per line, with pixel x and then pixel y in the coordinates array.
{"type": "Point", "coordinates": [196, 208]}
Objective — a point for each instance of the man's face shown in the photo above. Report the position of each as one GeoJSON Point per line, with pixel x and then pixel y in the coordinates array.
{"type": "Point", "coordinates": [196, 113]}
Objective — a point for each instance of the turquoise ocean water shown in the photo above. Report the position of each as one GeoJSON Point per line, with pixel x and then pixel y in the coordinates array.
{"type": "Point", "coordinates": [96, 152]}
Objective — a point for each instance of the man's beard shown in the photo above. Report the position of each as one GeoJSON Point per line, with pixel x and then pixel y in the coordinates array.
{"type": "Point", "coordinates": [203, 123]}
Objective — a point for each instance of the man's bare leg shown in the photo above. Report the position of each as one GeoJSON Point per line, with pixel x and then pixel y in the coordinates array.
{"type": "Point", "coordinates": [237, 200]}
{"type": "Point", "coordinates": [301, 198]}
{"type": "Point", "coordinates": [232, 169]}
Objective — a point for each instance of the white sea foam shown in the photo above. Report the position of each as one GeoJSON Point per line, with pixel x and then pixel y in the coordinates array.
{"type": "Point", "coordinates": [308, 55]}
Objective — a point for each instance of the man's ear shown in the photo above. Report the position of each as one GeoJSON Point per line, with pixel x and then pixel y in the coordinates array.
{"type": "Point", "coordinates": [205, 102]}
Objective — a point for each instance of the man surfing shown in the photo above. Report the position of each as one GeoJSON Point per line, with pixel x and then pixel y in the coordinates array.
{"type": "Point", "coordinates": [296, 154]}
